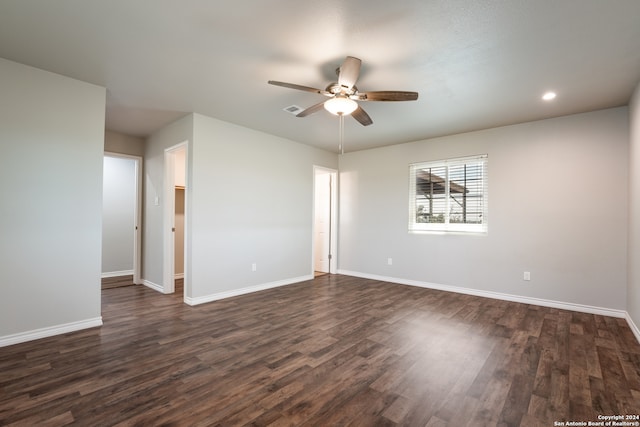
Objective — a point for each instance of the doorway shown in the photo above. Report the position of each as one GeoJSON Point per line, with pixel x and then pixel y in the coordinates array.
{"type": "Point", "coordinates": [324, 221]}
{"type": "Point", "coordinates": [121, 219]}
{"type": "Point", "coordinates": [175, 219]}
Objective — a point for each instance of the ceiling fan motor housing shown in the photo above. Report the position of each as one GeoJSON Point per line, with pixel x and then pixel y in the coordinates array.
{"type": "Point", "coordinates": [335, 88]}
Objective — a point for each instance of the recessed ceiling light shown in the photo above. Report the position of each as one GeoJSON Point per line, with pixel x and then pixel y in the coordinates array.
{"type": "Point", "coordinates": [548, 96]}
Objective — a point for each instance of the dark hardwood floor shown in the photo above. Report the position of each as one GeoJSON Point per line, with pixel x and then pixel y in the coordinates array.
{"type": "Point", "coordinates": [332, 351]}
{"type": "Point", "coordinates": [117, 282]}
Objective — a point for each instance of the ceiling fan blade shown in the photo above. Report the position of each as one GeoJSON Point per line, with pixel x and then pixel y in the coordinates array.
{"type": "Point", "coordinates": [360, 115]}
{"type": "Point", "coordinates": [298, 87]}
{"type": "Point", "coordinates": [313, 109]}
{"type": "Point", "coordinates": [349, 72]}
{"type": "Point", "coordinates": [387, 95]}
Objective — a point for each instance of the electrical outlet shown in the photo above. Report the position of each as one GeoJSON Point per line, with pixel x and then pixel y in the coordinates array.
{"type": "Point", "coordinates": [527, 276]}
{"type": "Point", "coordinates": [389, 261]}
{"type": "Point", "coordinates": [254, 266]}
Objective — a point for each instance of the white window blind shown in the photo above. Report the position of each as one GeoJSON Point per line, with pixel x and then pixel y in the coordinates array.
{"type": "Point", "coordinates": [449, 195]}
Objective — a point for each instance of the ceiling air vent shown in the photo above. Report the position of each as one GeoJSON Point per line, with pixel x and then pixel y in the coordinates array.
{"type": "Point", "coordinates": [293, 109]}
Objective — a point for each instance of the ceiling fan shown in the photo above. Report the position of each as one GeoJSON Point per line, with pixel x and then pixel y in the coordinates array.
{"type": "Point", "coordinates": [344, 93]}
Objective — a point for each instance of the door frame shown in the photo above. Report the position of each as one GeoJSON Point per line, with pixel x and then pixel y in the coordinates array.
{"type": "Point", "coordinates": [169, 210]}
{"type": "Point", "coordinates": [137, 212]}
{"type": "Point", "coordinates": [333, 216]}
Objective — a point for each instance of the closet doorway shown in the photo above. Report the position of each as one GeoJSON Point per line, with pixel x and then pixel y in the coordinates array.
{"type": "Point", "coordinates": [121, 219]}
{"type": "Point", "coordinates": [175, 224]}
{"type": "Point", "coordinates": [324, 221]}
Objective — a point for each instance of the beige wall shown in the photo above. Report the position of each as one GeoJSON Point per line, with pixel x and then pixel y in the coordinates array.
{"type": "Point", "coordinates": [123, 144]}
{"type": "Point", "coordinates": [557, 208]}
{"type": "Point", "coordinates": [52, 145]}
{"type": "Point", "coordinates": [249, 200]}
{"type": "Point", "coordinates": [252, 202]}
{"type": "Point", "coordinates": [153, 216]}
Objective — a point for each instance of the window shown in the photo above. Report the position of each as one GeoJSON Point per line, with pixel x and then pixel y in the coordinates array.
{"type": "Point", "coordinates": [449, 195]}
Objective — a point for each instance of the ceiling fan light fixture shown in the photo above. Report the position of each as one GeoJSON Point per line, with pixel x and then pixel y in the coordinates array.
{"type": "Point", "coordinates": [340, 105]}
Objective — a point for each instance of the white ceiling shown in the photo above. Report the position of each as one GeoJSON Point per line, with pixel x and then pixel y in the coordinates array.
{"type": "Point", "coordinates": [476, 64]}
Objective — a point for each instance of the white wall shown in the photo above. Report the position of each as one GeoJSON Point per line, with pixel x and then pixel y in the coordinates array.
{"type": "Point", "coordinates": [557, 208]}
{"type": "Point", "coordinates": [633, 261]}
{"type": "Point", "coordinates": [152, 253]}
{"type": "Point", "coordinates": [52, 139]}
{"type": "Point", "coordinates": [251, 202]}
{"type": "Point", "coordinates": [118, 215]}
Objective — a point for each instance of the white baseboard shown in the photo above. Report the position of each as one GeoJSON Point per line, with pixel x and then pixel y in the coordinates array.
{"type": "Point", "coordinates": [495, 295]}
{"type": "Point", "coordinates": [634, 328]}
{"type": "Point", "coordinates": [49, 331]}
{"type": "Point", "coordinates": [247, 290]}
{"type": "Point", "coordinates": [154, 286]}
{"type": "Point", "coordinates": [117, 273]}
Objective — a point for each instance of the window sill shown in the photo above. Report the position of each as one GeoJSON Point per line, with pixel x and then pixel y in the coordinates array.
{"type": "Point", "coordinates": [449, 233]}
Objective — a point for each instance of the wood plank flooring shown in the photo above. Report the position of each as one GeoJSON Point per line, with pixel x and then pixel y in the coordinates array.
{"type": "Point", "coordinates": [117, 282]}
{"type": "Point", "coordinates": [333, 351]}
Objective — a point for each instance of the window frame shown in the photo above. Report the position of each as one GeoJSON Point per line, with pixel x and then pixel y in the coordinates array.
{"type": "Point", "coordinates": [447, 226]}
